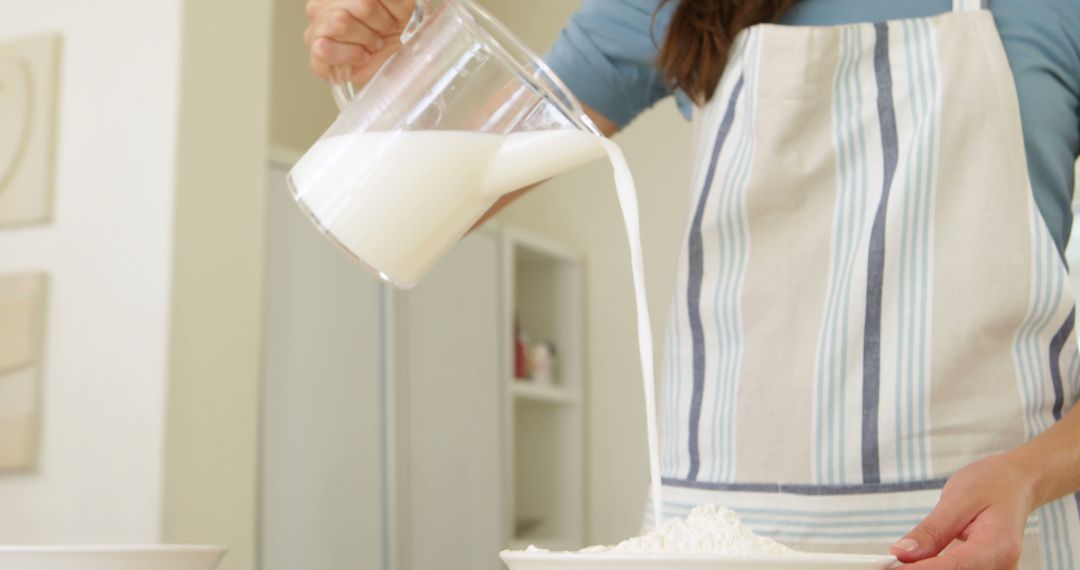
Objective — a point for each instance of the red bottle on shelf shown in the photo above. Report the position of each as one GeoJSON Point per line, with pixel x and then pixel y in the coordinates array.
{"type": "Point", "coordinates": [521, 364]}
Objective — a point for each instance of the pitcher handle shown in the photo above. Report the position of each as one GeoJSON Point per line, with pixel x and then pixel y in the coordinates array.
{"type": "Point", "coordinates": [342, 86]}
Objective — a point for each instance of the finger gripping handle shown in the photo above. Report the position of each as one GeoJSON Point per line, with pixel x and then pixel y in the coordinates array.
{"type": "Point", "coordinates": [342, 87]}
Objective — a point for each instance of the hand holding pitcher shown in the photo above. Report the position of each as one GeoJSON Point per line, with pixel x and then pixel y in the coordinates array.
{"type": "Point", "coordinates": [460, 114]}
{"type": "Point", "coordinates": [349, 40]}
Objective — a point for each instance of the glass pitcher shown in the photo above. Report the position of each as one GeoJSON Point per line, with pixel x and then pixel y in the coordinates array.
{"type": "Point", "coordinates": [462, 114]}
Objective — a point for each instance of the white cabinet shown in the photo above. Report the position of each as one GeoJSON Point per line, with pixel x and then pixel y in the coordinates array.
{"type": "Point", "coordinates": [322, 411]}
{"type": "Point", "coordinates": [449, 377]}
{"type": "Point", "coordinates": [394, 433]}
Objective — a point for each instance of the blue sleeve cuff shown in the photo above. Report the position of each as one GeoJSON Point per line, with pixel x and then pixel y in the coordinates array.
{"type": "Point", "coordinates": [606, 55]}
{"type": "Point", "coordinates": [591, 77]}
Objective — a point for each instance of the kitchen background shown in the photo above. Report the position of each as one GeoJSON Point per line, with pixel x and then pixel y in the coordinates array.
{"type": "Point", "coordinates": [214, 371]}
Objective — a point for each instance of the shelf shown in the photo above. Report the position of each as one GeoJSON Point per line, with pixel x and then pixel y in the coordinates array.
{"type": "Point", "coordinates": [544, 299]}
{"type": "Point", "coordinates": [524, 390]}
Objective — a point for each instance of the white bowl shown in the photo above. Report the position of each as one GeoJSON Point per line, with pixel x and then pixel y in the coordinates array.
{"type": "Point", "coordinates": [111, 557]}
{"type": "Point", "coordinates": [519, 560]}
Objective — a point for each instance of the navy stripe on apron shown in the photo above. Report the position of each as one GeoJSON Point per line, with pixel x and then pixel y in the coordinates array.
{"type": "Point", "coordinates": [799, 489]}
{"type": "Point", "coordinates": [1056, 345]}
{"type": "Point", "coordinates": [693, 286]}
{"type": "Point", "coordinates": [875, 278]}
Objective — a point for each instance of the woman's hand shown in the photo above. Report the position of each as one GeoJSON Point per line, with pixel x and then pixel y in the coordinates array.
{"type": "Point", "coordinates": [979, 521]}
{"type": "Point", "coordinates": [361, 34]}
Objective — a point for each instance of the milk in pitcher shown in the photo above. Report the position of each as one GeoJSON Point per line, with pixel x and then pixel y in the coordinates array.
{"type": "Point", "coordinates": [398, 200]}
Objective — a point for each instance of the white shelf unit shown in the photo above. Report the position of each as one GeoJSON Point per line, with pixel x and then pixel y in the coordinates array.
{"type": "Point", "coordinates": [522, 391]}
{"type": "Point", "coordinates": [543, 291]}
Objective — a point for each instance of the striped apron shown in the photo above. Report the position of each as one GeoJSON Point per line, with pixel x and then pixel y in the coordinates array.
{"type": "Point", "coordinates": [868, 298]}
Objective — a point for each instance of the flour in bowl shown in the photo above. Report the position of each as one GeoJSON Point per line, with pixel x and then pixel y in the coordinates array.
{"type": "Point", "coordinates": [707, 530]}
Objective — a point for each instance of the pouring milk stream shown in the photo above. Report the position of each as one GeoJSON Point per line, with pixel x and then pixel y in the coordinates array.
{"type": "Point", "coordinates": [460, 115]}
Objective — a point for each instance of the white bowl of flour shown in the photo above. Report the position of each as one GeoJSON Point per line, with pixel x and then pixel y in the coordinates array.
{"type": "Point", "coordinates": [710, 537]}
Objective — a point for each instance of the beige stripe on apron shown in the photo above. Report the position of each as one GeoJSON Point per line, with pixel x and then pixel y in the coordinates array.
{"type": "Point", "coordinates": [868, 298]}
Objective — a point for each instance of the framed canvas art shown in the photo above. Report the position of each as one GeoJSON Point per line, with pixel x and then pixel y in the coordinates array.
{"type": "Point", "coordinates": [22, 327]}
{"type": "Point", "coordinates": [29, 70]}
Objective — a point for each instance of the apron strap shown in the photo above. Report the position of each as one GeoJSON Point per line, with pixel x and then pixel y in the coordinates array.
{"type": "Point", "coordinates": [970, 5]}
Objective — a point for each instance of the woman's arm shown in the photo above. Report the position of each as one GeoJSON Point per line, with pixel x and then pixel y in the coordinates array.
{"type": "Point", "coordinates": [1053, 458]}
{"type": "Point", "coordinates": [979, 521]}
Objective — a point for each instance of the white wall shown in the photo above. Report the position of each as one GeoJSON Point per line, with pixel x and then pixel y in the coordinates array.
{"type": "Point", "coordinates": [580, 209]}
{"type": "Point", "coordinates": [108, 255]}
{"type": "Point", "coordinates": [300, 104]}
{"type": "Point", "coordinates": [211, 463]}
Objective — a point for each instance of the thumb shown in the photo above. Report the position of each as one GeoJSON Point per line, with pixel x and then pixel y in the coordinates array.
{"type": "Point", "coordinates": [943, 525]}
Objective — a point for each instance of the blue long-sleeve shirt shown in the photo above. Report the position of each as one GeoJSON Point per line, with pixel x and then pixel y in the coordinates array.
{"type": "Point", "coordinates": [607, 53]}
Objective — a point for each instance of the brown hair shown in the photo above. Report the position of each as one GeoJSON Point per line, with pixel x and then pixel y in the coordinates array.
{"type": "Point", "coordinates": [696, 48]}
